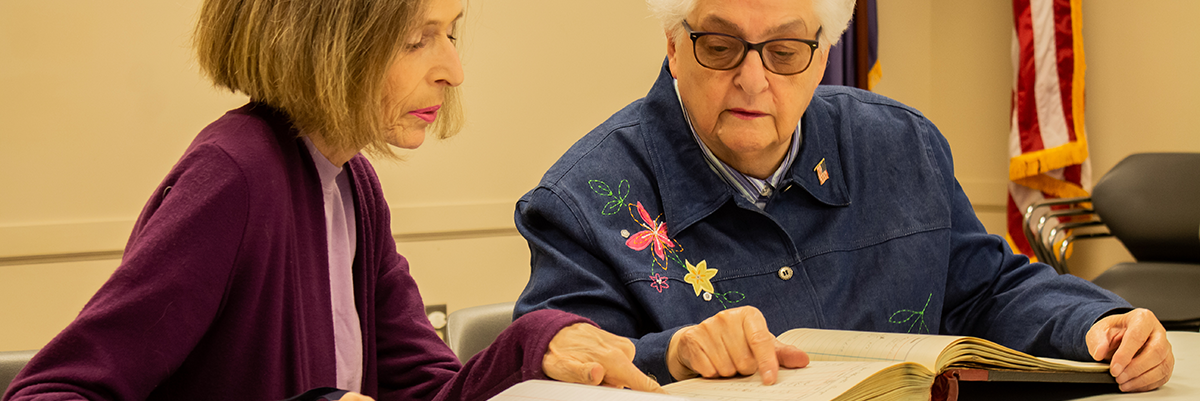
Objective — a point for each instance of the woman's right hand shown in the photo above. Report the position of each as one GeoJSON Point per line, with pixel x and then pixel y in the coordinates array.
{"type": "Point", "coordinates": [732, 342]}
{"type": "Point", "coordinates": [583, 353]}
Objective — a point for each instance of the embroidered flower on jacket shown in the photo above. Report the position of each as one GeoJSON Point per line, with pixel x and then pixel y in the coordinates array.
{"type": "Point", "coordinates": [699, 275]}
{"type": "Point", "coordinates": [659, 282]}
{"type": "Point", "coordinates": [654, 234]}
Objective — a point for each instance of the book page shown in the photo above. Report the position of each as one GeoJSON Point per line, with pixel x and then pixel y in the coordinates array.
{"type": "Point", "coordinates": [935, 352]}
{"type": "Point", "coordinates": [544, 390]}
{"type": "Point", "coordinates": [845, 345]}
{"type": "Point", "coordinates": [973, 350]}
{"type": "Point", "coordinates": [819, 381]}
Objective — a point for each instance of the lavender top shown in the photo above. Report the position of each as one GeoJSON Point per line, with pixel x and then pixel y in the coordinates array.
{"type": "Point", "coordinates": [340, 239]}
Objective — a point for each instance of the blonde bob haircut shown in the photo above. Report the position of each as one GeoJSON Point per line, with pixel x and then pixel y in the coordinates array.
{"type": "Point", "coordinates": [833, 15]}
{"type": "Point", "coordinates": [323, 62]}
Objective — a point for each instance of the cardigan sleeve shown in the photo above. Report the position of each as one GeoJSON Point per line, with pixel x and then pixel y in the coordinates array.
{"type": "Point", "coordinates": [143, 322]}
{"type": "Point", "coordinates": [514, 357]}
{"type": "Point", "coordinates": [415, 364]}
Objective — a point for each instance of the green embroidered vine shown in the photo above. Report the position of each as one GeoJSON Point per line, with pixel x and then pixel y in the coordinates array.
{"type": "Point", "coordinates": [917, 317]}
{"type": "Point", "coordinates": [729, 297]}
{"type": "Point", "coordinates": [618, 198]}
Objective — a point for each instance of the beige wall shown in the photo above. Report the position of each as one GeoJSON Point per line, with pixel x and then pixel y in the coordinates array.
{"type": "Point", "coordinates": [950, 59]}
{"type": "Point", "coordinates": [98, 100]}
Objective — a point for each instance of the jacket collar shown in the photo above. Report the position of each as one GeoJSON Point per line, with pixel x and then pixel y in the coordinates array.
{"type": "Point", "coordinates": [821, 128]}
{"type": "Point", "coordinates": [691, 190]}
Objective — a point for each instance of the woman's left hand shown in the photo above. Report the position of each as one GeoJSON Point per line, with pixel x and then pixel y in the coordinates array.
{"type": "Point", "coordinates": [1136, 345]}
{"type": "Point", "coordinates": [582, 353]}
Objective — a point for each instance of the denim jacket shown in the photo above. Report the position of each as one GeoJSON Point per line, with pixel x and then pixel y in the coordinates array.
{"type": "Point", "coordinates": [868, 231]}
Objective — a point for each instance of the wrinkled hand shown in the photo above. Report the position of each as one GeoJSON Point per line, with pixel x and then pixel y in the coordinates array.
{"type": "Point", "coordinates": [1137, 347]}
{"type": "Point", "coordinates": [582, 353]}
{"type": "Point", "coordinates": [734, 341]}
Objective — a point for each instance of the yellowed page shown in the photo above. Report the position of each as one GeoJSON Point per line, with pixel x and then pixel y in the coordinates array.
{"type": "Point", "coordinates": [977, 350]}
{"type": "Point", "coordinates": [544, 390]}
{"type": "Point", "coordinates": [820, 381]}
{"type": "Point", "coordinates": [844, 345]}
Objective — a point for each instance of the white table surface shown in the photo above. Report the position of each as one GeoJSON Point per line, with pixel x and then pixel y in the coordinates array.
{"type": "Point", "coordinates": [1185, 382]}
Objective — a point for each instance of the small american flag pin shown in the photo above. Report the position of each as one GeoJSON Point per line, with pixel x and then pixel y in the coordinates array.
{"type": "Point", "coordinates": [822, 173]}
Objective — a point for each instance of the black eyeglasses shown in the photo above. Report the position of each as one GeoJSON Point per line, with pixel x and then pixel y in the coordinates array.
{"type": "Point", "coordinates": [719, 51]}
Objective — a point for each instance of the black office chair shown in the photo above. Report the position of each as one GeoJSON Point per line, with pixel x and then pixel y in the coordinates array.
{"type": "Point", "coordinates": [11, 363]}
{"type": "Point", "coordinates": [1151, 203]}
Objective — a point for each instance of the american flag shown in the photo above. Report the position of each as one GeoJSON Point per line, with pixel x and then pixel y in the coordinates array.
{"type": "Point", "coordinates": [822, 173]}
{"type": "Point", "coordinates": [1047, 141]}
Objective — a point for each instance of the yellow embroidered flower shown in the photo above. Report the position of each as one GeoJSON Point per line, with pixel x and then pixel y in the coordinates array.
{"type": "Point", "coordinates": [699, 276]}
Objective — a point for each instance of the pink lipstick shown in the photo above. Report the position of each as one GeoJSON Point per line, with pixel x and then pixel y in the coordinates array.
{"type": "Point", "coordinates": [746, 114]}
{"type": "Point", "coordinates": [427, 114]}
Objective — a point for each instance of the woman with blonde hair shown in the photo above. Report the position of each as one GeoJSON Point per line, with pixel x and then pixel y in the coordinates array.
{"type": "Point", "coordinates": [263, 266]}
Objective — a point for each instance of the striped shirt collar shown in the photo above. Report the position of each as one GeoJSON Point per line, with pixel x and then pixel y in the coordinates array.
{"type": "Point", "coordinates": [754, 189]}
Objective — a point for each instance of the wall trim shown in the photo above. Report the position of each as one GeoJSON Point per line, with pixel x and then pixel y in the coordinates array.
{"type": "Point", "coordinates": [453, 235]}
{"type": "Point", "coordinates": [60, 258]}
{"type": "Point", "coordinates": [99, 240]}
{"type": "Point", "coordinates": [410, 220]}
{"type": "Point", "coordinates": [63, 239]}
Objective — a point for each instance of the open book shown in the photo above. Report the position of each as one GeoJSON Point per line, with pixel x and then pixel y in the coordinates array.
{"type": "Point", "coordinates": [858, 365]}
{"type": "Point", "coordinates": [855, 365]}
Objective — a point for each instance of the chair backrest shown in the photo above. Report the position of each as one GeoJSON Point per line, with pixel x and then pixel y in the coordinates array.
{"type": "Point", "coordinates": [11, 363]}
{"type": "Point", "coordinates": [470, 330]}
{"type": "Point", "coordinates": [1151, 203]}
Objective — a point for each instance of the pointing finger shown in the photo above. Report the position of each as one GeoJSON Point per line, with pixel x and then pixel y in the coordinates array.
{"type": "Point", "coordinates": [762, 344]}
{"type": "Point", "coordinates": [623, 373]}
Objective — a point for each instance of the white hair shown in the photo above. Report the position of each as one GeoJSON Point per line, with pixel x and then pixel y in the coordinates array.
{"type": "Point", "coordinates": [833, 15]}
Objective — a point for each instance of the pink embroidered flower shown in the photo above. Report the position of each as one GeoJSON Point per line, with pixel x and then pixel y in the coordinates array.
{"type": "Point", "coordinates": [659, 282]}
{"type": "Point", "coordinates": [654, 233]}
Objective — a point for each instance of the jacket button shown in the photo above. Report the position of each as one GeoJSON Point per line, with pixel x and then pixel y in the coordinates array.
{"type": "Point", "coordinates": [652, 377]}
{"type": "Point", "coordinates": [785, 273]}
{"type": "Point", "coordinates": [707, 296]}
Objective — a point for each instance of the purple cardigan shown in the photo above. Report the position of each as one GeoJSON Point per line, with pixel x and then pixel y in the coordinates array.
{"type": "Point", "coordinates": [223, 292]}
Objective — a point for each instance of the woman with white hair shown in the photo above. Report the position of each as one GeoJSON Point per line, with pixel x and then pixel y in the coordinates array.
{"type": "Point", "coordinates": [738, 200]}
{"type": "Point", "coordinates": [833, 15]}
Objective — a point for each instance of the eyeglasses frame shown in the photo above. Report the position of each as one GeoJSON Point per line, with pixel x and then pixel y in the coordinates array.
{"type": "Point", "coordinates": [757, 47]}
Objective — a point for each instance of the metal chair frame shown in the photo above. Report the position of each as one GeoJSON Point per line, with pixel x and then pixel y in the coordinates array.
{"type": "Point", "coordinates": [1043, 238]}
{"type": "Point", "coordinates": [1163, 280]}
